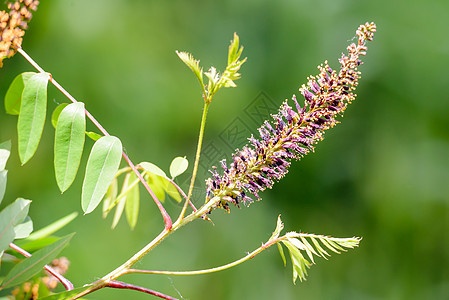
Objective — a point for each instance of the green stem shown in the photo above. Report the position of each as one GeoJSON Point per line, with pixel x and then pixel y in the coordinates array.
{"type": "Point", "coordinates": [197, 159]}
{"type": "Point", "coordinates": [211, 270]}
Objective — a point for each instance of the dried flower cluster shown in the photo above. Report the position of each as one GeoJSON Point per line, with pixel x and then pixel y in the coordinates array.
{"type": "Point", "coordinates": [13, 26]}
{"type": "Point", "coordinates": [60, 265]}
{"type": "Point", "coordinates": [292, 134]}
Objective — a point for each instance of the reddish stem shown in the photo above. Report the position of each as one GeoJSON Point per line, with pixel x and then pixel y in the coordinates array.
{"type": "Point", "coordinates": [65, 282]}
{"type": "Point", "coordinates": [182, 193]}
{"type": "Point", "coordinates": [167, 219]}
{"type": "Point", "coordinates": [122, 285]}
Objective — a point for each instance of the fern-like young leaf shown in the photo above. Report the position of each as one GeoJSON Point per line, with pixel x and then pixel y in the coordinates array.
{"type": "Point", "coordinates": [193, 64]}
{"type": "Point", "coordinates": [311, 244]}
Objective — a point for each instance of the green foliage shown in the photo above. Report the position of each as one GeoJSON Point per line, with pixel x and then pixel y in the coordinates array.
{"type": "Point", "coordinates": [51, 228]}
{"type": "Point", "coordinates": [102, 171]}
{"type": "Point", "coordinates": [215, 80]}
{"type": "Point", "coordinates": [129, 198]}
{"type": "Point", "coordinates": [193, 64]}
{"type": "Point", "coordinates": [93, 135]}
{"type": "Point", "coordinates": [110, 197]}
{"type": "Point", "coordinates": [69, 144]}
{"type": "Point", "coordinates": [120, 202]}
{"type": "Point", "coordinates": [24, 229]}
{"type": "Point", "coordinates": [5, 150]}
{"type": "Point", "coordinates": [132, 203]}
{"type": "Point", "coordinates": [44, 236]}
{"type": "Point", "coordinates": [10, 217]}
{"type": "Point", "coordinates": [231, 72]}
{"type": "Point", "coordinates": [159, 182]}
{"type": "Point", "coordinates": [297, 242]}
{"type": "Point", "coordinates": [157, 185]}
{"type": "Point", "coordinates": [56, 113]}
{"type": "Point", "coordinates": [13, 95]}
{"type": "Point", "coordinates": [16, 224]}
{"type": "Point", "coordinates": [32, 115]}
{"type": "Point", "coordinates": [153, 169]}
{"type": "Point", "coordinates": [3, 181]}
{"type": "Point", "coordinates": [178, 166]}
{"type": "Point", "coordinates": [34, 264]}
{"type": "Point", "coordinates": [103, 163]}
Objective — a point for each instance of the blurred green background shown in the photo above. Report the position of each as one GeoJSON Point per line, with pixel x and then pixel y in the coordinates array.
{"type": "Point", "coordinates": [382, 174]}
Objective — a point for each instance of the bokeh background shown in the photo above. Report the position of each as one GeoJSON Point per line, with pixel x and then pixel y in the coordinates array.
{"type": "Point", "coordinates": [382, 174]}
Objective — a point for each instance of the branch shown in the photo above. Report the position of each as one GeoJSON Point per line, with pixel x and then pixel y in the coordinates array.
{"type": "Point", "coordinates": [122, 285]}
{"type": "Point", "coordinates": [167, 219]}
{"type": "Point", "coordinates": [197, 159]}
{"type": "Point", "coordinates": [211, 270]}
{"type": "Point", "coordinates": [65, 282]}
{"type": "Point", "coordinates": [185, 197]}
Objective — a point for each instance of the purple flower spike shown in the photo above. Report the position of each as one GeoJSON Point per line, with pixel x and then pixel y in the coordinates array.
{"type": "Point", "coordinates": [291, 134]}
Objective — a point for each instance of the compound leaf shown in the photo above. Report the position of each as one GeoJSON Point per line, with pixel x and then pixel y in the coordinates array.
{"type": "Point", "coordinates": [193, 64]}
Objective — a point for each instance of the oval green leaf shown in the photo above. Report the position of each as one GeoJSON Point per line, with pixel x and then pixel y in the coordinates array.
{"type": "Point", "coordinates": [12, 215]}
{"type": "Point", "coordinates": [13, 95]}
{"type": "Point", "coordinates": [34, 264]}
{"type": "Point", "coordinates": [103, 163]}
{"type": "Point", "coordinates": [69, 143]}
{"type": "Point", "coordinates": [56, 113]}
{"type": "Point", "coordinates": [132, 203]}
{"type": "Point", "coordinates": [32, 115]}
{"type": "Point", "coordinates": [178, 166]}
